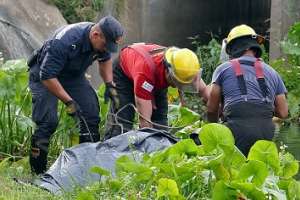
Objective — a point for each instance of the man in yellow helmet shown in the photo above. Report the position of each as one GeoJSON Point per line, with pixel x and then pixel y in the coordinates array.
{"type": "Point", "coordinates": [249, 90]}
{"type": "Point", "coordinates": [142, 74]}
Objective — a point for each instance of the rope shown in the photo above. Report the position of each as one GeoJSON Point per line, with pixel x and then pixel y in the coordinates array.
{"type": "Point", "coordinates": [117, 118]}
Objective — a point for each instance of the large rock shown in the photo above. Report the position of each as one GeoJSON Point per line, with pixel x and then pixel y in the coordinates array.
{"type": "Point", "coordinates": [25, 24]}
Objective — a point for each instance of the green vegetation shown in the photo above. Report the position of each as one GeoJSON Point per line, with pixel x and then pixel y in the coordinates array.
{"type": "Point", "coordinates": [16, 126]}
{"type": "Point", "coordinates": [77, 10]}
{"type": "Point", "coordinates": [209, 57]}
{"type": "Point", "coordinates": [213, 170]}
{"type": "Point", "coordinates": [289, 69]}
{"type": "Point", "coordinates": [13, 190]}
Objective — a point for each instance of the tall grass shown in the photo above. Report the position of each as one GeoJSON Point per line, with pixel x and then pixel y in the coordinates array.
{"type": "Point", "coordinates": [16, 126]}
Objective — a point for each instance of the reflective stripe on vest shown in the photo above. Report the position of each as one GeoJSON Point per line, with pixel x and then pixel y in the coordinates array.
{"type": "Point", "coordinates": [259, 73]}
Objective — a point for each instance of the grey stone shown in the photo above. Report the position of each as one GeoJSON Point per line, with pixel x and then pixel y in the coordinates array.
{"type": "Point", "coordinates": [25, 24]}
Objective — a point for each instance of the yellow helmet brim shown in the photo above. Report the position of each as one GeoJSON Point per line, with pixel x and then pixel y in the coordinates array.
{"type": "Point", "coordinates": [182, 63]}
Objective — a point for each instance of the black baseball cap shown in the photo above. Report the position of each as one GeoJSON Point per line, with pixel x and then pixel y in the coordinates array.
{"type": "Point", "coordinates": [112, 30]}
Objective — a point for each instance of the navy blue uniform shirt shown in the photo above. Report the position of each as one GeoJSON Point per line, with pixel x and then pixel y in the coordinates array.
{"type": "Point", "coordinates": [69, 53]}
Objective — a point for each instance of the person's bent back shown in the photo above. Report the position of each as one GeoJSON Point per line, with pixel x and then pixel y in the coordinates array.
{"type": "Point", "coordinates": [249, 91]}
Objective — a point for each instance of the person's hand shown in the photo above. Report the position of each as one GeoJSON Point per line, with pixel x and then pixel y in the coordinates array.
{"type": "Point", "coordinates": [111, 93]}
{"type": "Point", "coordinates": [73, 109]}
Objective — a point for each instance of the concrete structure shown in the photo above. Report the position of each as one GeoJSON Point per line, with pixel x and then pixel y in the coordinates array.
{"type": "Point", "coordinates": [283, 14]}
{"type": "Point", "coordinates": [24, 24]}
{"type": "Point", "coordinates": [172, 22]}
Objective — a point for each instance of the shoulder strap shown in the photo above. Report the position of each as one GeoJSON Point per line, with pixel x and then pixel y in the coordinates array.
{"type": "Point", "coordinates": [259, 73]}
{"type": "Point", "coordinates": [146, 55]}
{"type": "Point", "coordinates": [240, 77]}
{"type": "Point", "coordinates": [261, 78]}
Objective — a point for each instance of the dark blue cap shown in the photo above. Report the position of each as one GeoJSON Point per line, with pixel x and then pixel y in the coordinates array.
{"type": "Point", "coordinates": [112, 30]}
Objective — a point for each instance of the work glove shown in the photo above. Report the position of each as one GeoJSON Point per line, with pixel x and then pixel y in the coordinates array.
{"type": "Point", "coordinates": [111, 93]}
{"type": "Point", "coordinates": [73, 109]}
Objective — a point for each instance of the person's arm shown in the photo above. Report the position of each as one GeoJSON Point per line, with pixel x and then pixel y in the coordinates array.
{"type": "Point", "coordinates": [281, 106]}
{"type": "Point", "coordinates": [56, 88]}
{"type": "Point", "coordinates": [144, 107]}
{"type": "Point", "coordinates": [105, 70]}
{"type": "Point", "coordinates": [204, 91]}
{"type": "Point", "coordinates": [213, 103]}
{"type": "Point", "coordinates": [53, 63]}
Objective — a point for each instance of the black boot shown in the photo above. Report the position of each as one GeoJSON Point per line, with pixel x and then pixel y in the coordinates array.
{"type": "Point", "coordinates": [38, 155]}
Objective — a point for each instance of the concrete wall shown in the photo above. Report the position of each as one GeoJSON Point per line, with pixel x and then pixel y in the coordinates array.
{"type": "Point", "coordinates": [167, 22]}
{"type": "Point", "coordinates": [171, 22]}
{"type": "Point", "coordinates": [283, 14]}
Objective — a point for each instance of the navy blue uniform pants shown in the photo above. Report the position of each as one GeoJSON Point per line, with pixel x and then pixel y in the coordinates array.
{"type": "Point", "coordinates": [44, 114]}
{"type": "Point", "coordinates": [125, 117]}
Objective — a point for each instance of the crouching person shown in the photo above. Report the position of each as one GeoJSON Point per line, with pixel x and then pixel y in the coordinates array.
{"type": "Point", "coordinates": [141, 75]}
{"type": "Point", "coordinates": [57, 72]}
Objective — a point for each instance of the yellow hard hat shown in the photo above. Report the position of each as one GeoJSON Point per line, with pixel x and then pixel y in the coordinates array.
{"type": "Point", "coordinates": [241, 31]}
{"type": "Point", "coordinates": [184, 70]}
{"type": "Point", "coordinates": [183, 63]}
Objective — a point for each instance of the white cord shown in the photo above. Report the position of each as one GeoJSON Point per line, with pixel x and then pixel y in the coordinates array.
{"type": "Point", "coordinates": [116, 117]}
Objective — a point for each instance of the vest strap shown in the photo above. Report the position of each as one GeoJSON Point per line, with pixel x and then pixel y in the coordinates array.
{"type": "Point", "coordinates": [259, 73]}
{"type": "Point", "coordinates": [138, 47]}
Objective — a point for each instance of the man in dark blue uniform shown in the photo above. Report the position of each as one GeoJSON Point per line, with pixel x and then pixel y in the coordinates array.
{"type": "Point", "coordinates": [57, 71]}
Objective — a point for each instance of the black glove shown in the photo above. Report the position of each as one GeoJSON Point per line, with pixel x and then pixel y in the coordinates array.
{"type": "Point", "coordinates": [111, 93]}
{"type": "Point", "coordinates": [73, 109]}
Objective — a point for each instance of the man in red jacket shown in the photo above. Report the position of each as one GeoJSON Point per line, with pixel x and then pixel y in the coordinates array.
{"type": "Point", "coordinates": [141, 75]}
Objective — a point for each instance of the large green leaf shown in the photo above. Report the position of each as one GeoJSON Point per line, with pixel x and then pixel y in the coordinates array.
{"type": "Point", "coordinates": [223, 191]}
{"type": "Point", "coordinates": [176, 152]}
{"type": "Point", "coordinates": [186, 131]}
{"type": "Point", "coordinates": [181, 116]}
{"type": "Point", "coordinates": [100, 171]}
{"type": "Point", "coordinates": [188, 168]}
{"type": "Point", "coordinates": [186, 146]}
{"type": "Point", "coordinates": [140, 171]}
{"type": "Point", "coordinates": [265, 151]}
{"type": "Point", "coordinates": [115, 185]}
{"type": "Point", "coordinates": [254, 171]}
{"type": "Point", "coordinates": [235, 160]}
{"type": "Point", "coordinates": [221, 172]}
{"type": "Point", "coordinates": [289, 166]}
{"type": "Point", "coordinates": [294, 190]}
{"type": "Point", "coordinates": [167, 187]}
{"type": "Point", "coordinates": [249, 190]}
{"type": "Point", "coordinates": [216, 136]}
